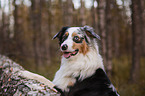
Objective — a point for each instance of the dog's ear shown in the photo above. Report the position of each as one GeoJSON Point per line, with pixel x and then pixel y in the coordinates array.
{"type": "Point", "coordinates": [90, 32]}
{"type": "Point", "coordinates": [60, 33]}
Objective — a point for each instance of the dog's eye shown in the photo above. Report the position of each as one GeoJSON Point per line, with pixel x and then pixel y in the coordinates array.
{"type": "Point", "coordinates": [77, 39]}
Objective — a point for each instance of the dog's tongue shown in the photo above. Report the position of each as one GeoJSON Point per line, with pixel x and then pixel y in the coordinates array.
{"type": "Point", "coordinates": [66, 55]}
{"type": "Point", "coordinates": [74, 52]}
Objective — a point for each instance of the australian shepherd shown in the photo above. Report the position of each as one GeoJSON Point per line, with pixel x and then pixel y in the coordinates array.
{"type": "Point", "coordinates": [82, 71]}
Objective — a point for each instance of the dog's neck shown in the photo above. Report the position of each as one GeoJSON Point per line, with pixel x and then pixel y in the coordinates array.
{"type": "Point", "coordinates": [86, 65]}
{"type": "Point", "coordinates": [81, 66]}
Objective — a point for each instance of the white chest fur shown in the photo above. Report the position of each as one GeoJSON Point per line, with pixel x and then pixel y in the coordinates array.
{"type": "Point", "coordinates": [79, 65]}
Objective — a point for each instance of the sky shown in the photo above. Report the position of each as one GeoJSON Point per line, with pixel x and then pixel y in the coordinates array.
{"type": "Point", "coordinates": [77, 4]}
{"type": "Point", "coordinates": [89, 3]}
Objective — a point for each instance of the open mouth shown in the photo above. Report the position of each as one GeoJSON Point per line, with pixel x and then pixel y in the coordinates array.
{"type": "Point", "coordinates": [69, 54]}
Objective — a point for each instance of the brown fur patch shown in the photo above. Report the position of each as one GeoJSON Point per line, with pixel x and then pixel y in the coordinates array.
{"type": "Point", "coordinates": [66, 33]}
{"type": "Point", "coordinates": [70, 84]}
{"type": "Point", "coordinates": [74, 34]}
{"type": "Point", "coordinates": [83, 47]}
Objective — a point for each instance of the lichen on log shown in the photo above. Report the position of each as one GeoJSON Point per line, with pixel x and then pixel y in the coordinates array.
{"type": "Point", "coordinates": [16, 81]}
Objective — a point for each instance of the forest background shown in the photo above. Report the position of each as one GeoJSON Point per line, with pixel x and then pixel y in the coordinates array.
{"type": "Point", "coordinates": [27, 28]}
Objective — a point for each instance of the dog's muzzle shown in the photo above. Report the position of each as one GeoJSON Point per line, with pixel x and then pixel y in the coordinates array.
{"type": "Point", "coordinates": [64, 47]}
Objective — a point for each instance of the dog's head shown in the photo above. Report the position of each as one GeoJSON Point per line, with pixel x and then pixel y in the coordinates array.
{"type": "Point", "coordinates": [75, 40]}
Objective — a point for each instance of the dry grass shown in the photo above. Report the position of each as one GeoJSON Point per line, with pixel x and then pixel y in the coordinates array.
{"type": "Point", "coordinates": [121, 76]}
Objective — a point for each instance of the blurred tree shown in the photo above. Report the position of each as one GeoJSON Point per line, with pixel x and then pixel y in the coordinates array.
{"type": "Point", "coordinates": [18, 30]}
{"type": "Point", "coordinates": [137, 29]}
{"type": "Point", "coordinates": [37, 35]}
{"type": "Point", "coordinates": [101, 27]}
{"type": "Point", "coordinates": [109, 36]}
{"type": "Point", "coordinates": [115, 29]}
{"type": "Point", "coordinates": [124, 26]}
{"type": "Point", "coordinates": [4, 31]}
{"type": "Point", "coordinates": [82, 13]}
{"type": "Point", "coordinates": [69, 12]}
{"type": "Point", "coordinates": [45, 31]}
{"type": "Point", "coordinates": [142, 9]}
{"type": "Point", "coordinates": [94, 19]}
{"type": "Point", "coordinates": [48, 7]}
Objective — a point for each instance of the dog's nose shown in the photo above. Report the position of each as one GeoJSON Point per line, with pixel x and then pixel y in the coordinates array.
{"type": "Point", "coordinates": [64, 47]}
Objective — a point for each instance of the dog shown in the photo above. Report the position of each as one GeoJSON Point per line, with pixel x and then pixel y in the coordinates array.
{"type": "Point", "coordinates": [82, 71]}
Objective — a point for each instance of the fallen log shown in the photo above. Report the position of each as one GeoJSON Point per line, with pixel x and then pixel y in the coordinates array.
{"type": "Point", "coordinates": [16, 81]}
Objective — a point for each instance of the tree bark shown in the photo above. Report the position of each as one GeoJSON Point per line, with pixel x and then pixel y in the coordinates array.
{"type": "Point", "coordinates": [115, 29]}
{"type": "Point", "coordinates": [142, 9]}
{"type": "Point", "coordinates": [82, 13]}
{"type": "Point", "coordinates": [4, 31]}
{"type": "Point", "coordinates": [36, 27]}
{"type": "Point", "coordinates": [94, 19]}
{"type": "Point", "coordinates": [109, 37]}
{"type": "Point", "coordinates": [18, 31]}
{"type": "Point", "coordinates": [16, 81]}
{"type": "Point", "coordinates": [136, 40]}
{"type": "Point", "coordinates": [67, 8]}
{"type": "Point", "coordinates": [45, 33]}
{"type": "Point", "coordinates": [101, 28]}
{"type": "Point", "coordinates": [69, 13]}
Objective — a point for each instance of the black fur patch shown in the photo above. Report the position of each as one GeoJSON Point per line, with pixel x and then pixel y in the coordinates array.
{"type": "Point", "coordinates": [60, 34]}
{"type": "Point", "coordinates": [59, 90]}
{"type": "Point", "coordinates": [96, 85]}
{"type": "Point", "coordinates": [86, 39]}
{"type": "Point", "coordinates": [63, 30]}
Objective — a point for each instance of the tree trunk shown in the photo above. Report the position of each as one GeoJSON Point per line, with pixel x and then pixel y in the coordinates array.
{"type": "Point", "coordinates": [69, 13]}
{"type": "Point", "coordinates": [115, 29]}
{"type": "Point", "coordinates": [67, 8]}
{"type": "Point", "coordinates": [18, 46]}
{"type": "Point", "coordinates": [109, 37]}
{"type": "Point", "coordinates": [143, 24]}
{"type": "Point", "coordinates": [94, 17]}
{"type": "Point", "coordinates": [101, 28]}
{"type": "Point", "coordinates": [36, 27]}
{"type": "Point", "coordinates": [45, 34]}
{"type": "Point", "coordinates": [16, 81]}
{"type": "Point", "coordinates": [4, 31]}
{"type": "Point", "coordinates": [82, 13]}
{"type": "Point", "coordinates": [136, 40]}
{"type": "Point", "coordinates": [2, 37]}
